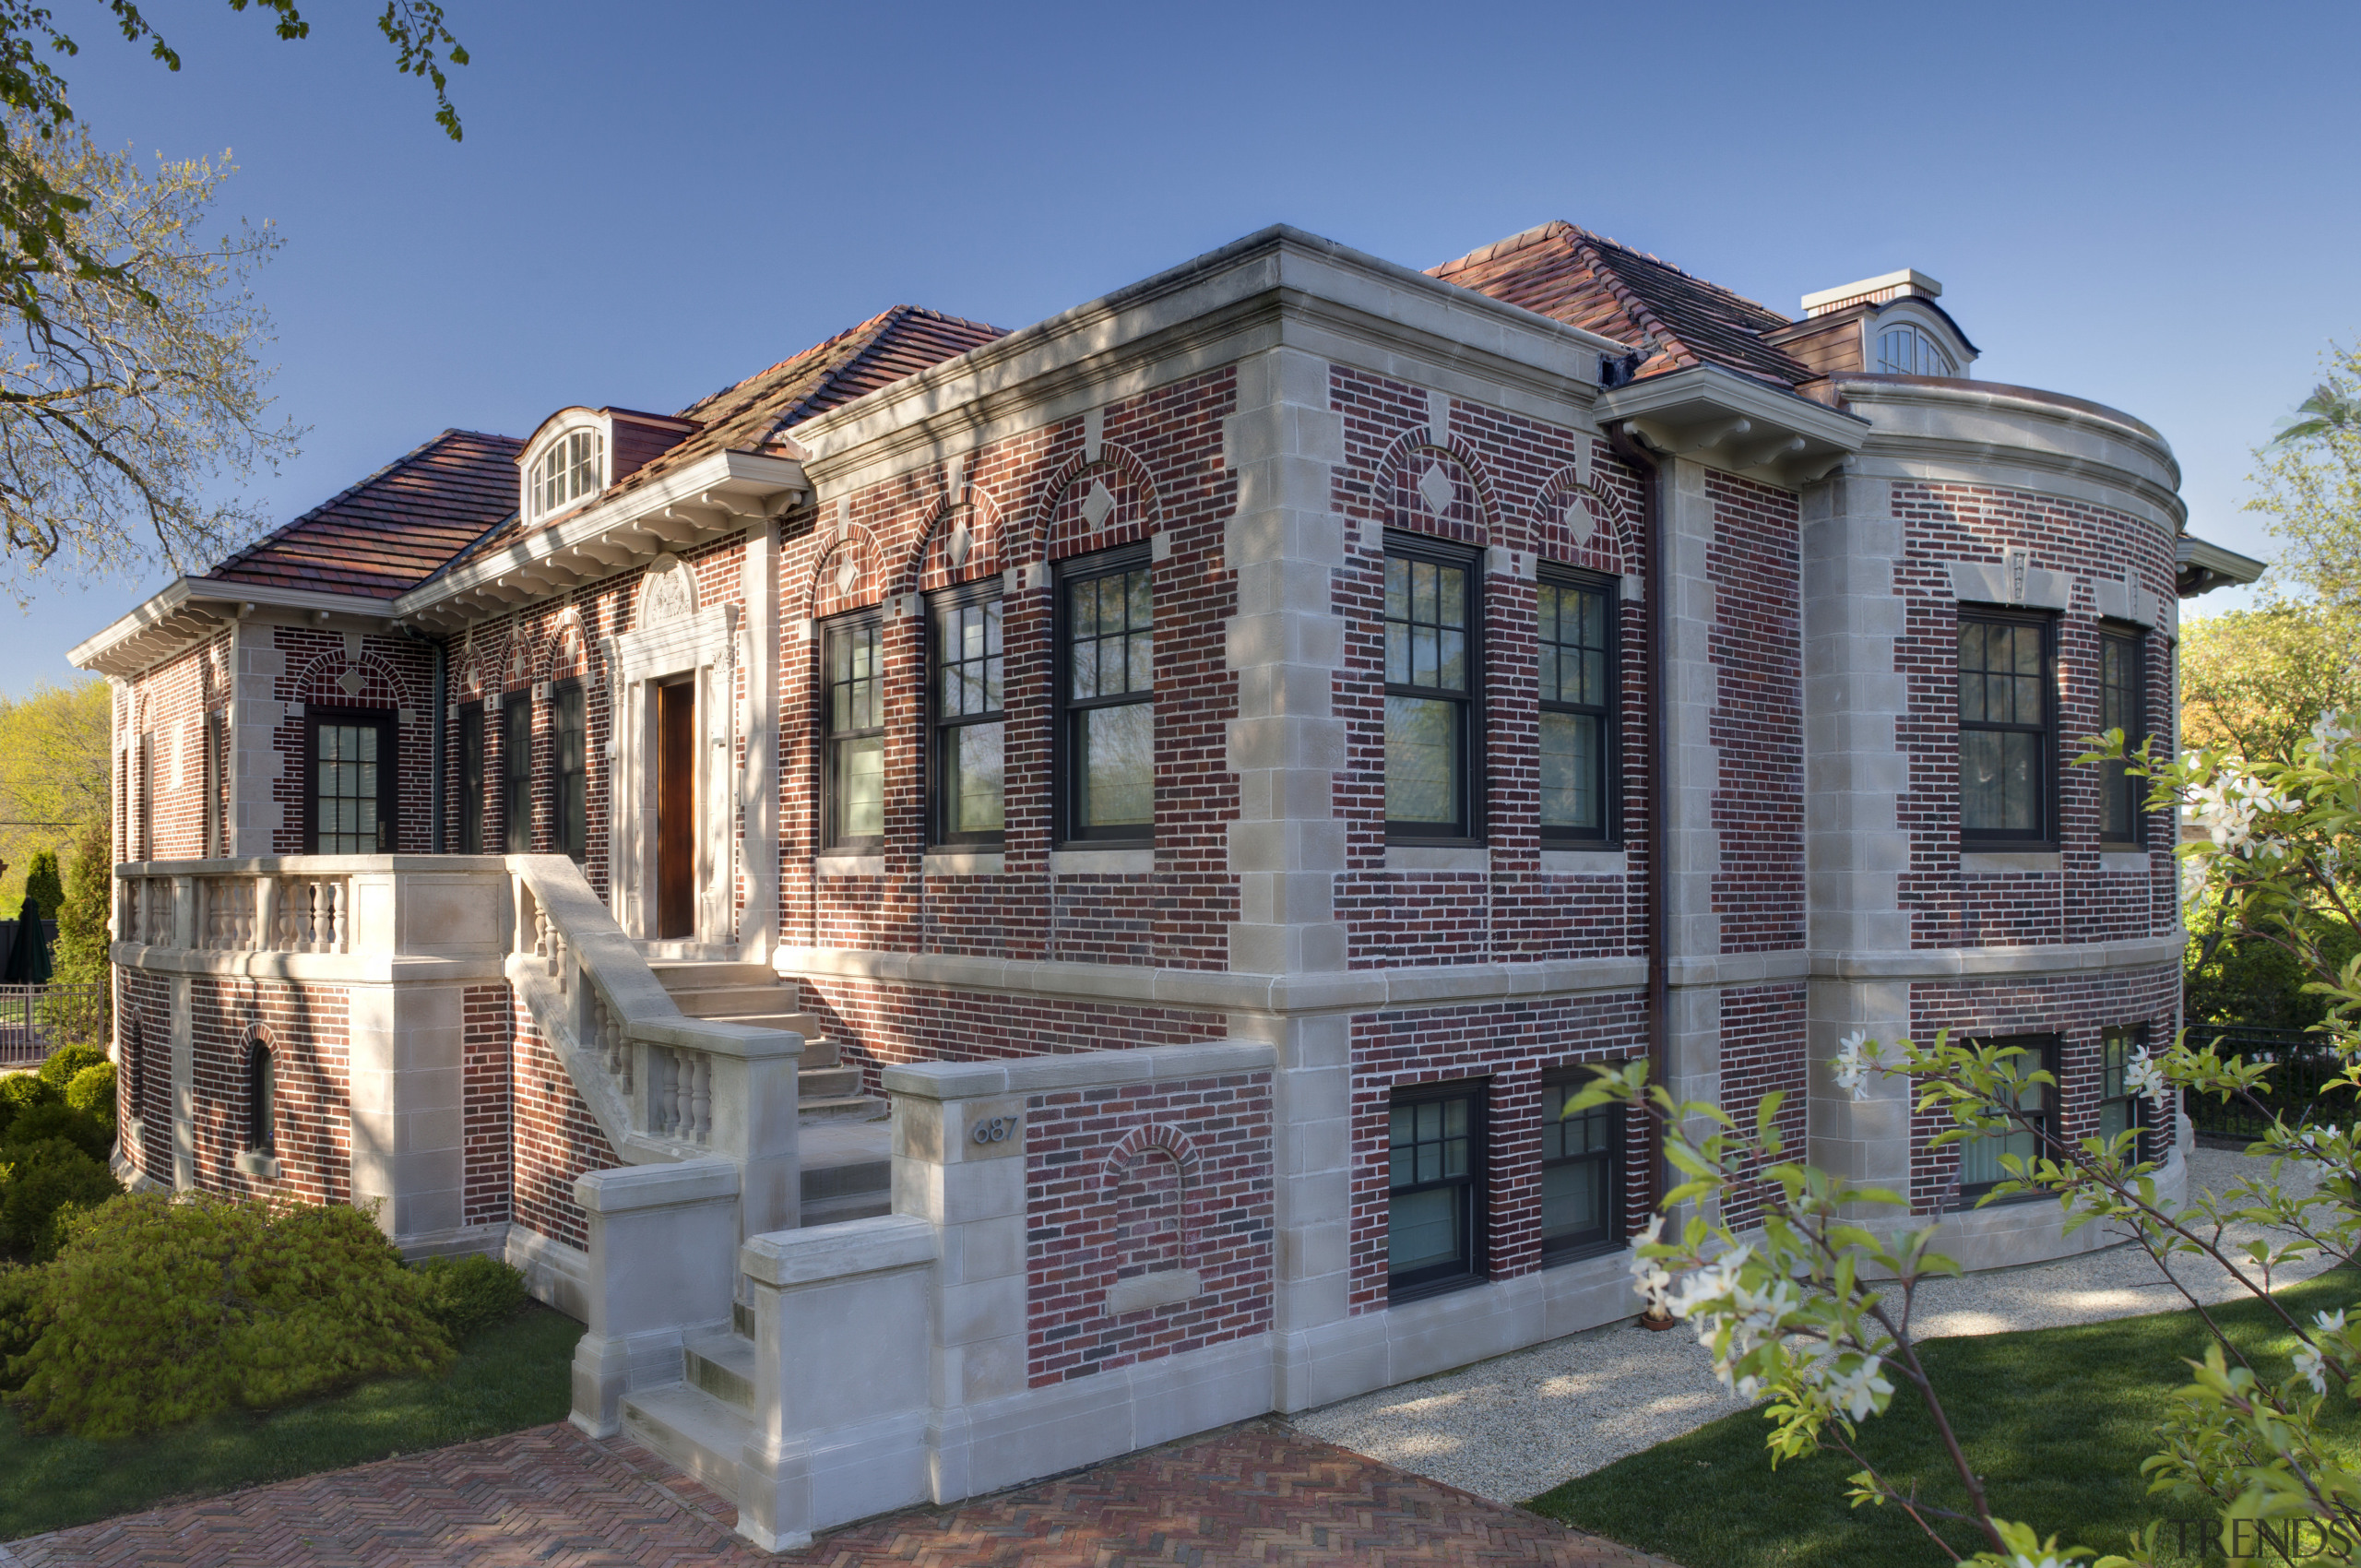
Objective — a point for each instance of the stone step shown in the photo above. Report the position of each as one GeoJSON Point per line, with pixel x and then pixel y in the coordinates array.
{"type": "Point", "coordinates": [690, 1428]}
{"type": "Point", "coordinates": [848, 1172]}
{"type": "Point", "coordinates": [723, 1366]}
{"type": "Point", "coordinates": [734, 1001]}
{"type": "Point", "coordinates": [843, 1108]}
{"type": "Point", "coordinates": [827, 1082]}
{"type": "Point", "coordinates": [677, 974]}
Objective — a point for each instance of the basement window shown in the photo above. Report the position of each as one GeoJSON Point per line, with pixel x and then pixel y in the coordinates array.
{"type": "Point", "coordinates": [1435, 1188]}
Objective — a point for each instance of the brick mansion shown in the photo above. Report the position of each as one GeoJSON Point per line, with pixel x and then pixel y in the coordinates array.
{"type": "Point", "coordinates": [981, 899]}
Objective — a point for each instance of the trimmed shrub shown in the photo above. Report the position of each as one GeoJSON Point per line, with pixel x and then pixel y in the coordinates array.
{"type": "Point", "coordinates": [471, 1293]}
{"type": "Point", "coordinates": [66, 1061]}
{"type": "Point", "coordinates": [91, 1092]}
{"type": "Point", "coordinates": [160, 1310]}
{"type": "Point", "coordinates": [20, 1323]}
{"type": "Point", "coordinates": [55, 1119]}
{"type": "Point", "coordinates": [20, 1092]}
{"type": "Point", "coordinates": [39, 1177]}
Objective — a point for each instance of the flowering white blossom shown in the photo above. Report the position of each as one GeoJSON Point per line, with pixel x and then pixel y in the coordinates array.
{"type": "Point", "coordinates": [2330, 732]}
{"type": "Point", "coordinates": [1856, 1392]}
{"type": "Point", "coordinates": [2143, 1078]}
{"type": "Point", "coordinates": [1709, 1282]}
{"type": "Point", "coordinates": [1650, 1279]}
{"type": "Point", "coordinates": [2047, 1560]}
{"type": "Point", "coordinates": [2310, 1363]}
{"type": "Point", "coordinates": [1856, 1057]}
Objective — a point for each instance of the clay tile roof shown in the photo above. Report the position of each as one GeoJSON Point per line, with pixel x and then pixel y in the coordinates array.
{"type": "Point", "coordinates": [750, 415]}
{"type": "Point", "coordinates": [393, 528]}
{"type": "Point", "coordinates": [1594, 282]}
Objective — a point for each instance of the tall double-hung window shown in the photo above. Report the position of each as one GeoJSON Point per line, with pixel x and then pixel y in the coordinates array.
{"type": "Point", "coordinates": [570, 746]}
{"type": "Point", "coordinates": [1432, 613]}
{"type": "Point", "coordinates": [1581, 1172]}
{"type": "Point", "coordinates": [1576, 665]}
{"type": "Point", "coordinates": [2121, 690]}
{"type": "Point", "coordinates": [854, 733]}
{"type": "Point", "coordinates": [1435, 1213]}
{"type": "Point", "coordinates": [471, 780]}
{"type": "Point", "coordinates": [1982, 1156]}
{"type": "Point", "coordinates": [2120, 1110]}
{"type": "Point", "coordinates": [970, 721]}
{"type": "Point", "coordinates": [350, 805]}
{"type": "Point", "coordinates": [2007, 740]}
{"type": "Point", "coordinates": [1105, 689]}
{"type": "Point", "coordinates": [516, 770]}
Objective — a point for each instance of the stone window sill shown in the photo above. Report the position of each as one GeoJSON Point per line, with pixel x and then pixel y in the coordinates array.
{"type": "Point", "coordinates": [1439, 857]}
{"type": "Point", "coordinates": [1578, 863]}
{"type": "Point", "coordinates": [254, 1162]}
{"type": "Point", "coordinates": [1102, 862]}
{"type": "Point", "coordinates": [2008, 862]}
{"type": "Point", "coordinates": [2124, 860]}
{"type": "Point", "coordinates": [966, 862]}
{"type": "Point", "coordinates": [848, 865]}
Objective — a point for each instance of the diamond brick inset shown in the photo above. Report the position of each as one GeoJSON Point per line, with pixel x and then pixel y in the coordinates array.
{"type": "Point", "coordinates": [959, 543]}
{"type": "Point", "coordinates": [1436, 489]}
{"type": "Point", "coordinates": [1578, 521]}
{"type": "Point", "coordinates": [351, 681]}
{"type": "Point", "coordinates": [1097, 504]}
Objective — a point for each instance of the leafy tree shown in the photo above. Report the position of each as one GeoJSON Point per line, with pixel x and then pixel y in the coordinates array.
{"type": "Point", "coordinates": [130, 382]}
{"type": "Point", "coordinates": [1810, 1310]}
{"type": "Point", "coordinates": [2308, 482]}
{"type": "Point", "coordinates": [53, 770]}
{"type": "Point", "coordinates": [43, 892]}
{"type": "Point", "coordinates": [2253, 681]}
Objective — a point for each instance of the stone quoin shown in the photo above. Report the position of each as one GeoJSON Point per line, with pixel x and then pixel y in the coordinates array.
{"type": "Point", "coordinates": [980, 900]}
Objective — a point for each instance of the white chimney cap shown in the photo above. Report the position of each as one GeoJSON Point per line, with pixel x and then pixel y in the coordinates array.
{"type": "Point", "coordinates": [1873, 291]}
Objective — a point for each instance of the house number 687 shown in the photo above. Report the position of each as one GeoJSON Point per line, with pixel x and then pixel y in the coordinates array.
{"type": "Point", "coordinates": [995, 1131]}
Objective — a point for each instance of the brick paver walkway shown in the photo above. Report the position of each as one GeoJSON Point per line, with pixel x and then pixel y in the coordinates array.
{"type": "Point", "coordinates": [1260, 1494]}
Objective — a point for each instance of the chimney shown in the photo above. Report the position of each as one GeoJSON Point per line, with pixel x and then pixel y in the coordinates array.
{"type": "Point", "coordinates": [1872, 292]}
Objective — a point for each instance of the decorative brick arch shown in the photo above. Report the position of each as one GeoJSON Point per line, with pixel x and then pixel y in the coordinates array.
{"type": "Point", "coordinates": [566, 649]}
{"type": "Point", "coordinates": [846, 570]}
{"type": "Point", "coordinates": [1156, 1138]}
{"type": "Point", "coordinates": [1573, 503]}
{"type": "Point", "coordinates": [379, 685]}
{"type": "Point", "coordinates": [482, 664]}
{"type": "Point", "coordinates": [1138, 1214]}
{"type": "Point", "coordinates": [1471, 514]}
{"type": "Point", "coordinates": [965, 540]}
{"type": "Point", "coordinates": [1061, 523]}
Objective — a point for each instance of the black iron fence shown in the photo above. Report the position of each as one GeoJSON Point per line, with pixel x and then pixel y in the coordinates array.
{"type": "Point", "coordinates": [2302, 1067]}
{"type": "Point", "coordinates": [37, 1019]}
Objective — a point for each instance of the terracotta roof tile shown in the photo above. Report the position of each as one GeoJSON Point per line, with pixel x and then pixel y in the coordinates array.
{"type": "Point", "coordinates": [393, 528]}
{"type": "Point", "coordinates": [751, 414]}
{"type": "Point", "coordinates": [1591, 281]}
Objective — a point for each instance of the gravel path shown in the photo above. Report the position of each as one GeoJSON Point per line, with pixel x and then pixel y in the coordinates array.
{"type": "Point", "coordinates": [1514, 1427]}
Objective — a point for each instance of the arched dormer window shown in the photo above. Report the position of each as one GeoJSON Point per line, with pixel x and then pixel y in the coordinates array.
{"type": "Point", "coordinates": [572, 468]}
{"type": "Point", "coordinates": [1904, 349]}
{"type": "Point", "coordinates": [262, 1097]}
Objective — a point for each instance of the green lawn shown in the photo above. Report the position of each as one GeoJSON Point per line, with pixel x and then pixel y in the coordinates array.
{"type": "Point", "coordinates": [510, 1376]}
{"type": "Point", "coordinates": [2055, 1420]}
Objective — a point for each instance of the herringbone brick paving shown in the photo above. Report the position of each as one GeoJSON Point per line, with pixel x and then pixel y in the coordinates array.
{"type": "Point", "coordinates": [553, 1498]}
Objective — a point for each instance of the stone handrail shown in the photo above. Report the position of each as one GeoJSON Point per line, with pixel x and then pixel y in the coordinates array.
{"type": "Point", "coordinates": [661, 1085]}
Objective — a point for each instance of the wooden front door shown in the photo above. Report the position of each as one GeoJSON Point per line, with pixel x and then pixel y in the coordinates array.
{"type": "Point", "coordinates": [676, 809]}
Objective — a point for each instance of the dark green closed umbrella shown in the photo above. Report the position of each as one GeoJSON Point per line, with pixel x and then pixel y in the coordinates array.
{"type": "Point", "coordinates": [29, 955]}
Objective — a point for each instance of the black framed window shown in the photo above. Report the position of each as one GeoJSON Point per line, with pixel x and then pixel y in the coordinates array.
{"type": "Point", "coordinates": [516, 770]}
{"type": "Point", "coordinates": [349, 809]}
{"type": "Point", "coordinates": [1576, 665]}
{"type": "Point", "coordinates": [262, 1100]}
{"type": "Point", "coordinates": [2120, 1110]}
{"type": "Point", "coordinates": [854, 733]}
{"type": "Point", "coordinates": [1107, 696]}
{"type": "Point", "coordinates": [569, 746]}
{"type": "Point", "coordinates": [2007, 730]}
{"type": "Point", "coordinates": [471, 780]}
{"type": "Point", "coordinates": [1431, 676]}
{"type": "Point", "coordinates": [1979, 1155]}
{"type": "Point", "coordinates": [2122, 691]}
{"type": "Point", "coordinates": [1435, 1187]}
{"type": "Point", "coordinates": [1582, 1173]}
{"type": "Point", "coordinates": [970, 726]}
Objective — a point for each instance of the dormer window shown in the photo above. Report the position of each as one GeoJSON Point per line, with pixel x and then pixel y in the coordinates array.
{"type": "Point", "coordinates": [572, 468]}
{"type": "Point", "coordinates": [1907, 350]}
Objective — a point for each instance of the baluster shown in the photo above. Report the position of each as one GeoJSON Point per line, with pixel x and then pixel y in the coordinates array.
{"type": "Point", "coordinates": [666, 1099]}
{"type": "Point", "coordinates": [684, 1086]}
{"type": "Point", "coordinates": [540, 930]}
{"type": "Point", "coordinates": [339, 915]}
{"type": "Point", "coordinates": [299, 937]}
{"type": "Point", "coordinates": [703, 1108]}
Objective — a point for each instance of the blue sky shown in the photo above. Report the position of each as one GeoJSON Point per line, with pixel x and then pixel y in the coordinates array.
{"type": "Point", "coordinates": [2152, 205]}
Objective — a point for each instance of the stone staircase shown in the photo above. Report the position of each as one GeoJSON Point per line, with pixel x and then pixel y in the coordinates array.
{"type": "Point", "coordinates": [701, 1422]}
{"type": "Point", "coordinates": [752, 993]}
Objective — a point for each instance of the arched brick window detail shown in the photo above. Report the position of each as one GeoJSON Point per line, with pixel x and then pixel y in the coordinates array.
{"type": "Point", "coordinates": [262, 1094]}
{"type": "Point", "coordinates": [1150, 1177]}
